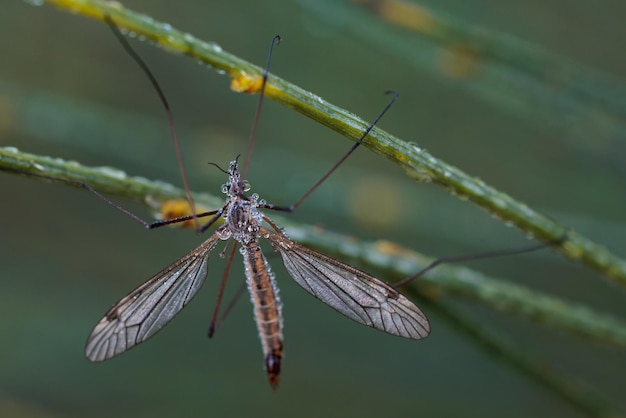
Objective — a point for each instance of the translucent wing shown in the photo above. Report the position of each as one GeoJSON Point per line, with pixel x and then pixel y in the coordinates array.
{"type": "Point", "coordinates": [356, 294]}
{"type": "Point", "coordinates": [148, 308]}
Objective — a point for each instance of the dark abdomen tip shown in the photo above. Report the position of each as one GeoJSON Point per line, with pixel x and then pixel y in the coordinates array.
{"type": "Point", "coordinates": [272, 366]}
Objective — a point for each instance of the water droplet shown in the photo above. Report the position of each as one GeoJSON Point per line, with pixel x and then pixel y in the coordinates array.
{"type": "Point", "coordinates": [497, 201]}
{"type": "Point", "coordinates": [415, 146]}
{"type": "Point", "coordinates": [112, 172]}
{"type": "Point", "coordinates": [223, 233]}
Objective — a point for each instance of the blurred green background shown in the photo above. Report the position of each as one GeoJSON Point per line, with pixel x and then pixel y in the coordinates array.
{"type": "Point", "coordinates": [67, 89]}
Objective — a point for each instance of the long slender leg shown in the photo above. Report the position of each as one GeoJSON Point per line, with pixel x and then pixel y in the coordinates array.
{"type": "Point", "coordinates": [166, 106]}
{"type": "Point", "coordinates": [294, 206]}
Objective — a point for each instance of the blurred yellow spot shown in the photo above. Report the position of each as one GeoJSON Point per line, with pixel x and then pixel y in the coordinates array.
{"type": "Point", "coordinates": [404, 14]}
{"type": "Point", "coordinates": [390, 248]}
{"type": "Point", "coordinates": [430, 291]}
{"type": "Point", "coordinates": [244, 83]}
{"type": "Point", "coordinates": [410, 16]}
{"type": "Point", "coordinates": [375, 202]}
{"type": "Point", "coordinates": [178, 208]}
{"type": "Point", "coordinates": [459, 60]}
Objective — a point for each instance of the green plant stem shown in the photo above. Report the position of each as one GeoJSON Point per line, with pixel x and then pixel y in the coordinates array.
{"type": "Point", "coordinates": [417, 163]}
{"type": "Point", "coordinates": [106, 180]}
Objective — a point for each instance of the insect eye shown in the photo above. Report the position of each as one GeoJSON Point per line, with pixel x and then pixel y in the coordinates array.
{"type": "Point", "coordinates": [246, 185]}
{"type": "Point", "coordinates": [225, 188]}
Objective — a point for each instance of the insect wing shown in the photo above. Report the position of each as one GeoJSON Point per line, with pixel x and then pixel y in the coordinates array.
{"type": "Point", "coordinates": [148, 308]}
{"type": "Point", "coordinates": [356, 294]}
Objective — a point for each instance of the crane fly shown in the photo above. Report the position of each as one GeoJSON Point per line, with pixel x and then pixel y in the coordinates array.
{"type": "Point", "coordinates": [352, 292]}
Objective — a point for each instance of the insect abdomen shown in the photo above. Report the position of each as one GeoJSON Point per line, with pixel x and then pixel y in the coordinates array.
{"type": "Point", "coordinates": [267, 309]}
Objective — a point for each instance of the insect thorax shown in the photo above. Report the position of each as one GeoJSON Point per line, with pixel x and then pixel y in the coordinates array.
{"type": "Point", "coordinates": [243, 219]}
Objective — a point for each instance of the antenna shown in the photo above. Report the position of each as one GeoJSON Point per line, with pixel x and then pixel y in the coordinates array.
{"type": "Point", "coordinates": [257, 115]}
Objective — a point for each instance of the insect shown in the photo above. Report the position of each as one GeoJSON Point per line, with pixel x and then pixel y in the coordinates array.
{"type": "Point", "coordinates": [352, 292]}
